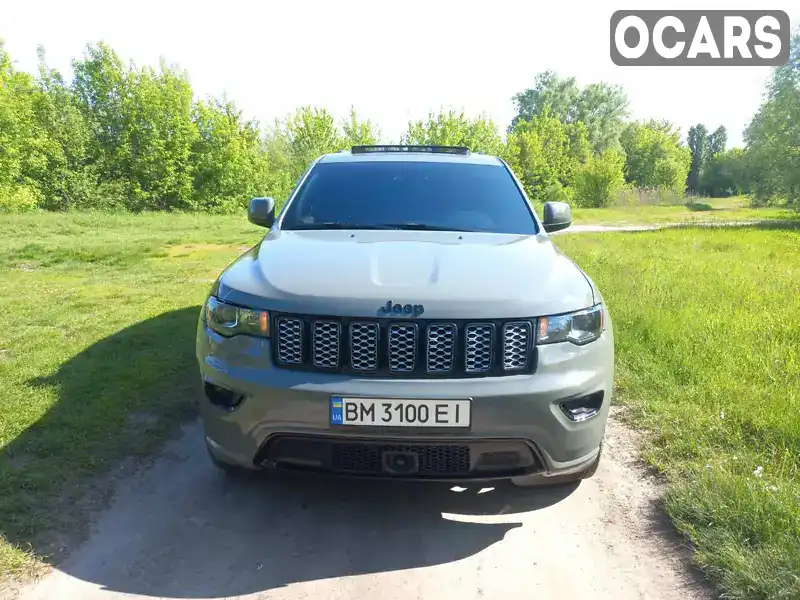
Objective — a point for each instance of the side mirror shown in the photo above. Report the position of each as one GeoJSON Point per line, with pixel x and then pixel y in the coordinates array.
{"type": "Point", "coordinates": [261, 212]}
{"type": "Point", "coordinates": [557, 216]}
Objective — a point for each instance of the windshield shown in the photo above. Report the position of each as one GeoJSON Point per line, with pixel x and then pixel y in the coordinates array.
{"type": "Point", "coordinates": [442, 196]}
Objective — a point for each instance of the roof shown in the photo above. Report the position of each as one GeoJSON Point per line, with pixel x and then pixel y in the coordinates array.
{"type": "Point", "coordinates": [471, 158]}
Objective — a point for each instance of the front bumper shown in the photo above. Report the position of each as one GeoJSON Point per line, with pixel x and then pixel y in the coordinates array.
{"type": "Point", "coordinates": [519, 414]}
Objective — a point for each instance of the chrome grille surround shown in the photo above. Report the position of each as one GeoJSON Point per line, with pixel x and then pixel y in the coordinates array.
{"type": "Point", "coordinates": [325, 344]}
{"type": "Point", "coordinates": [478, 347]}
{"type": "Point", "coordinates": [441, 345]}
{"type": "Point", "coordinates": [364, 345]}
{"type": "Point", "coordinates": [516, 339]}
{"type": "Point", "coordinates": [402, 347]}
{"type": "Point", "coordinates": [290, 340]}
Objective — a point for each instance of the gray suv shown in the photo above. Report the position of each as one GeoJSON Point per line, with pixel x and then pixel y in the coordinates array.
{"type": "Point", "coordinates": [407, 316]}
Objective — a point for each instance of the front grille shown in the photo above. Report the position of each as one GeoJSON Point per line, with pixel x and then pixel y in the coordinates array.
{"type": "Point", "coordinates": [290, 341]}
{"type": "Point", "coordinates": [402, 348]}
{"type": "Point", "coordinates": [479, 348]}
{"type": "Point", "coordinates": [395, 348]}
{"type": "Point", "coordinates": [441, 346]}
{"type": "Point", "coordinates": [516, 337]}
{"type": "Point", "coordinates": [326, 344]}
{"type": "Point", "coordinates": [364, 346]}
{"type": "Point", "coordinates": [434, 459]}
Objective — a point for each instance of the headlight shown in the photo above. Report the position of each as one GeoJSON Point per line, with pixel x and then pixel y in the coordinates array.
{"type": "Point", "coordinates": [229, 320]}
{"type": "Point", "coordinates": [579, 327]}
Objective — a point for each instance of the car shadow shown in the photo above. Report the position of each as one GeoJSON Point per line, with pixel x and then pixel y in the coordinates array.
{"type": "Point", "coordinates": [185, 530]}
{"type": "Point", "coordinates": [123, 396]}
{"type": "Point", "coordinates": [175, 526]}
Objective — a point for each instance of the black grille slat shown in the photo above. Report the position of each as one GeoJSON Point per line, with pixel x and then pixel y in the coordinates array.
{"type": "Point", "coordinates": [290, 340]}
{"type": "Point", "coordinates": [516, 340]}
{"type": "Point", "coordinates": [326, 338]}
{"type": "Point", "coordinates": [440, 349]}
{"type": "Point", "coordinates": [364, 337]}
{"type": "Point", "coordinates": [479, 347]}
{"type": "Point", "coordinates": [402, 347]}
{"type": "Point", "coordinates": [396, 348]}
{"type": "Point", "coordinates": [434, 459]}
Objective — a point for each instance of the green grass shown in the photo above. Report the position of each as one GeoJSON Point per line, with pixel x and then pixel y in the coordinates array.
{"type": "Point", "coordinates": [707, 326]}
{"type": "Point", "coordinates": [97, 317]}
{"type": "Point", "coordinates": [699, 211]}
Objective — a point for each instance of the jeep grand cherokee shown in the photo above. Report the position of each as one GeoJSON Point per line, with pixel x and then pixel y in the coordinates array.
{"type": "Point", "coordinates": [407, 315]}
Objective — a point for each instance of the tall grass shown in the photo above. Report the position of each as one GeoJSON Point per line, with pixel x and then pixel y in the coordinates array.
{"type": "Point", "coordinates": [707, 326]}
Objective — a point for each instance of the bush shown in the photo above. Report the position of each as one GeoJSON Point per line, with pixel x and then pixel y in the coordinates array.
{"type": "Point", "coordinates": [600, 180]}
{"type": "Point", "coordinates": [19, 198]}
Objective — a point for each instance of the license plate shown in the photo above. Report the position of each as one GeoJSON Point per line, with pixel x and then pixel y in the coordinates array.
{"type": "Point", "coordinates": [400, 413]}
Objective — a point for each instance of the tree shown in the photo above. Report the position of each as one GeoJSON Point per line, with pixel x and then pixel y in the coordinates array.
{"type": "Point", "coordinates": [455, 129]}
{"type": "Point", "coordinates": [228, 158]}
{"type": "Point", "coordinates": [655, 157]}
{"type": "Point", "coordinates": [359, 133]}
{"type": "Point", "coordinates": [141, 122]}
{"type": "Point", "coordinates": [601, 107]}
{"type": "Point", "coordinates": [773, 135]}
{"type": "Point", "coordinates": [726, 174]}
{"type": "Point", "coordinates": [64, 177]}
{"type": "Point", "coordinates": [545, 153]}
{"type": "Point", "coordinates": [698, 145]}
{"type": "Point", "coordinates": [600, 179]}
{"type": "Point", "coordinates": [18, 136]}
{"type": "Point", "coordinates": [311, 132]}
{"type": "Point", "coordinates": [717, 141]}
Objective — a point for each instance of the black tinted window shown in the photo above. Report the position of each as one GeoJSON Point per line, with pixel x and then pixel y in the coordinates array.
{"type": "Point", "coordinates": [413, 195]}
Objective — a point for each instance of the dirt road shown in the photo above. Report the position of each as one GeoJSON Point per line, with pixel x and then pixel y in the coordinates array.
{"type": "Point", "coordinates": [180, 529]}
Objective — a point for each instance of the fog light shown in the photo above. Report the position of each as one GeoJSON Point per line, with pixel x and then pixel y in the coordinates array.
{"type": "Point", "coordinates": [585, 407]}
{"type": "Point", "coordinates": [221, 397]}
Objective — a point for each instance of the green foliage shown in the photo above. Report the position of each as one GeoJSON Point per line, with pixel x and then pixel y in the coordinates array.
{"type": "Point", "coordinates": [18, 198]}
{"type": "Point", "coordinates": [601, 107]}
{"type": "Point", "coordinates": [726, 174]}
{"type": "Point", "coordinates": [717, 141]}
{"type": "Point", "coordinates": [455, 129]}
{"type": "Point", "coordinates": [707, 352]}
{"type": "Point", "coordinates": [18, 134]}
{"type": "Point", "coordinates": [600, 179]}
{"type": "Point", "coordinates": [311, 132]}
{"type": "Point", "coordinates": [655, 156]}
{"type": "Point", "coordinates": [359, 133]}
{"type": "Point", "coordinates": [773, 136]}
{"type": "Point", "coordinates": [228, 160]}
{"type": "Point", "coordinates": [545, 153]}
{"type": "Point", "coordinates": [698, 146]}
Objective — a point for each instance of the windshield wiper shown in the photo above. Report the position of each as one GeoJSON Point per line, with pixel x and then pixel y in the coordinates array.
{"type": "Point", "coordinates": [373, 226]}
{"type": "Point", "coordinates": [420, 227]}
{"type": "Point", "coordinates": [333, 225]}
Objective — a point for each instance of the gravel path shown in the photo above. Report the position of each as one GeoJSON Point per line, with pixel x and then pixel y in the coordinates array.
{"type": "Point", "coordinates": [180, 529]}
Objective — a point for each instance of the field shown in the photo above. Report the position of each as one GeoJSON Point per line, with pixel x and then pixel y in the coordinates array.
{"type": "Point", "coordinates": [702, 210]}
{"type": "Point", "coordinates": [97, 317]}
{"type": "Point", "coordinates": [707, 326]}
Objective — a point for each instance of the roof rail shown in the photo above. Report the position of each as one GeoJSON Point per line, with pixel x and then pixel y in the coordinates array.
{"type": "Point", "coordinates": [412, 148]}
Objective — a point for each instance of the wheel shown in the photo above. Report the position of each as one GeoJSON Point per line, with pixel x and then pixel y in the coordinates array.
{"type": "Point", "coordinates": [563, 479]}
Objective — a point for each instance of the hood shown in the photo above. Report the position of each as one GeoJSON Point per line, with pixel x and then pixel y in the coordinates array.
{"type": "Point", "coordinates": [452, 275]}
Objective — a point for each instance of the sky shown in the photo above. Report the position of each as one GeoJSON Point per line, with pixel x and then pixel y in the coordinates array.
{"type": "Point", "coordinates": [391, 61]}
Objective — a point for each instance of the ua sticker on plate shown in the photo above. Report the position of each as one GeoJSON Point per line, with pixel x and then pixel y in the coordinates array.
{"type": "Point", "coordinates": [336, 411]}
